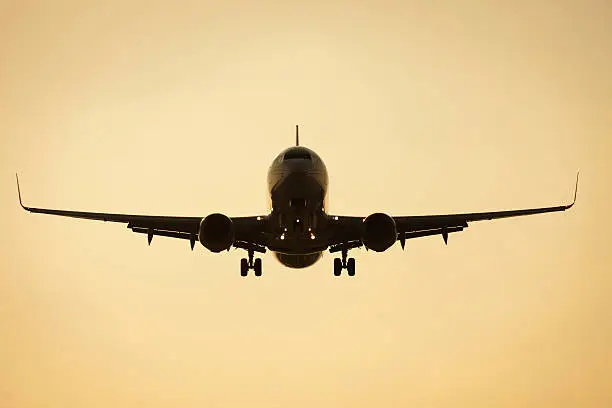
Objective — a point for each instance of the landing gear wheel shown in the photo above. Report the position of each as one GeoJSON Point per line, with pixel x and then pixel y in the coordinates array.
{"type": "Point", "coordinates": [337, 266]}
{"type": "Point", "coordinates": [244, 267]}
{"type": "Point", "coordinates": [350, 267]}
{"type": "Point", "coordinates": [257, 267]}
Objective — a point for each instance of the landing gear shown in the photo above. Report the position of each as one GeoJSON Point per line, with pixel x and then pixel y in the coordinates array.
{"type": "Point", "coordinates": [246, 264]}
{"type": "Point", "coordinates": [341, 263]}
{"type": "Point", "coordinates": [337, 266]}
{"type": "Point", "coordinates": [244, 267]}
{"type": "Point", "coordinates": [257, 267]}
{"type": "Point", "coordinates": [350, 267]}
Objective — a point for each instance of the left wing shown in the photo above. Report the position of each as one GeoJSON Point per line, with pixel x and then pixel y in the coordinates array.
{"type": "Point", "coordinates": [347, 230]}
{"type": "Point", "coordinates": [247, 229]}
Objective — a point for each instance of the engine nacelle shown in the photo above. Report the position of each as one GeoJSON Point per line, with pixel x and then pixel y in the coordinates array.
{"type": "Point", "coordinates": [216, 232]}
{"type": "Point", "coordinates": [379, 232]}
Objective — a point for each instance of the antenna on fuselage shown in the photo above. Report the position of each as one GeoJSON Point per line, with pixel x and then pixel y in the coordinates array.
{"type": "Point", "coordinates": [297, 135]}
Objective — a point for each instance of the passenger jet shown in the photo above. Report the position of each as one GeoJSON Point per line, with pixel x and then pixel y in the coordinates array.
{"type": "Point", "coordinates": [298, 228]}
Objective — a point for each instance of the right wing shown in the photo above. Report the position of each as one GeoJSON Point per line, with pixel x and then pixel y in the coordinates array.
{"type": "Point", "coordinates": [248, 230]}
{"type": "Point", "coordinates": [347, 230]}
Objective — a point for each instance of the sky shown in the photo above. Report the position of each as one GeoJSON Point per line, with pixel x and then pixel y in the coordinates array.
{"type": "Point", "coordinates": [178, 108]}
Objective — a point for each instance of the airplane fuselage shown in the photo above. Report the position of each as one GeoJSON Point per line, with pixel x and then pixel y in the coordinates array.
{"type": "Point", "coordinates": [297, 185]}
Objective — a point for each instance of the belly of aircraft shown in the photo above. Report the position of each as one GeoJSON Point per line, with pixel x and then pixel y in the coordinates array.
{"type": "Point", "coordinates": [298, 261]}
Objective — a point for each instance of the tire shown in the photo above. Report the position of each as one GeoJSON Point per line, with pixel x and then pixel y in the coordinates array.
{"type": "Point", "coordinates": [244, 267]}
{"type": "Point", "coordinates": [257, 267]}
{"type": "Point", "coordinates": [350, 266]}
{"type": "Point", "coordinates": [337, 266]}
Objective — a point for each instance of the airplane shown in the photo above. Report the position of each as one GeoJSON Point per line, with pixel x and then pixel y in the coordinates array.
{"type": "Point", "coordinates": [297, 228]}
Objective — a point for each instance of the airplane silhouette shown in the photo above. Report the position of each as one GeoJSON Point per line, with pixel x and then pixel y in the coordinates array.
{"type": "Point", "coordinates": [297, 228]}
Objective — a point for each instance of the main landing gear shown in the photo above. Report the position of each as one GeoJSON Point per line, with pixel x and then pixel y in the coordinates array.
{"type": "Point", "coordinates": [341, 263]}
{"type": "Point", "coordinates": [246, 264]}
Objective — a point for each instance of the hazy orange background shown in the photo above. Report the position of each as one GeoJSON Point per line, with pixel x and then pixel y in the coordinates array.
{"type": "Point", "coordinates": [418, 108]}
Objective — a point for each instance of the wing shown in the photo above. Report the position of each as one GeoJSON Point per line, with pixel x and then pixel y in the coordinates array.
{"type": "Point", "coordinates": [347, 230]}
{"type": "Point", "coordinates": [248, 230]}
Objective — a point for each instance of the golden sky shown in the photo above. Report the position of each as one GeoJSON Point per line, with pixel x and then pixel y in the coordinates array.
{"type": "Point", "coordinates": [416, 108]}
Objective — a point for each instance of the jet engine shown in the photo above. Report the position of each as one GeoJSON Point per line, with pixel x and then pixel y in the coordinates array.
{"type": "Point", "coordinates": [216, 232]}
{"type": "Point", "coordinates": [379, 232]}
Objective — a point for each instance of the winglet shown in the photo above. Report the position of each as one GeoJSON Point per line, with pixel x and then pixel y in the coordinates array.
{"type": "Point", "coordinates": [576, 187]}
{"type": "Point", "coordinates": [575, 191]}
{"type": "Point", "coordinates": [19, 192]}
{"type": "Point", "coordinates": [297, 135]}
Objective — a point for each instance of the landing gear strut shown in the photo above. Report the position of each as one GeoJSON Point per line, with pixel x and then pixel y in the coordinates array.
{"type": "Point", "coordinates": [341, 263]}
{"type": "Point", "coordinates": [246, 264]}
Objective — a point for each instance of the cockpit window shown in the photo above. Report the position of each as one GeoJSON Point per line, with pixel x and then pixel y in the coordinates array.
{"type": "Point", "coordinates": [297, 154]}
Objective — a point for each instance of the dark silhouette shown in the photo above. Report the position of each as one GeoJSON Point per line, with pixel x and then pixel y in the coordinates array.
{"type": "Point", "coordinates": [297, 228]}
